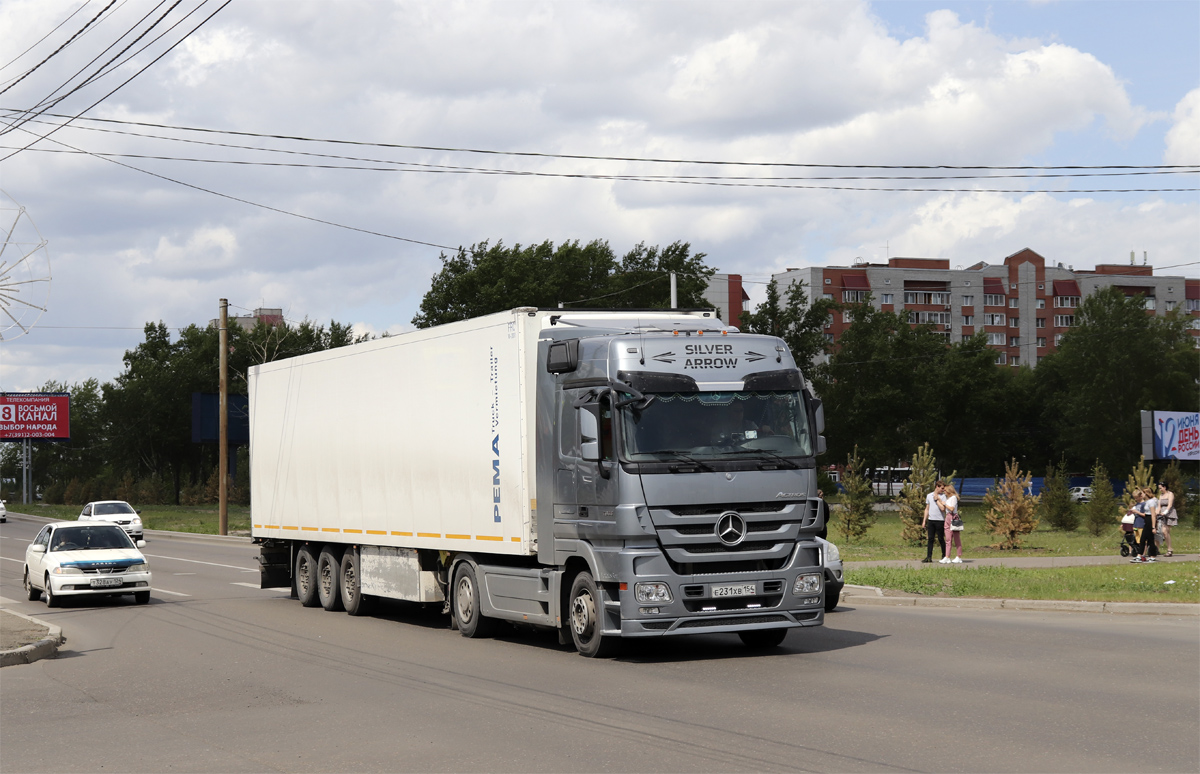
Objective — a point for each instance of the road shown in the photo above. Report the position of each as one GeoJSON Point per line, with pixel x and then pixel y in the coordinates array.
{"type": "Point", "coordinates": [216, 675]}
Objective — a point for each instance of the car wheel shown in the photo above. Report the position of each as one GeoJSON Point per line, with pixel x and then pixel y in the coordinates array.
{"type": "Point", "coordinates": [831, 599]}
{"type": "Point", "coordinates": [306, 577]}
{"type": "Point", "coordinates": [141, 597]}
{"type": "Point", "coordinates": [31, 592]}
{"type": "Point", "coordinates": [585, 611]}
{"type": "Point", "coordinates": [51, 600]}
{"type": "Point", "coordinates": [465, 604]}
{"type": "Point", "coordinates": [329, 567]}
{"type": "Point", "coordinates": [763, 638]}
{"type": "Point", "coordinates": [350, 581]}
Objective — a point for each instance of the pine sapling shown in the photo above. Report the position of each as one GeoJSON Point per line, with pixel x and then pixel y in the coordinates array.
{"type": "Point", "coordinates": [1012, 511]}
{"type": "Point", "coordinates": [857, 514]}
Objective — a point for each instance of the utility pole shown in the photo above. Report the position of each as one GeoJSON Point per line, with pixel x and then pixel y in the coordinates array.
{"type": "Point", "coordinates": [223, 414]}
{"type": "Point", "coordinates": [674, 294]}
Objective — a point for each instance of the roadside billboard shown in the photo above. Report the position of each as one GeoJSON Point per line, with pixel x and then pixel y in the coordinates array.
{"type": "Point", "coordinates": [1176, 435]}
{"type": "Point", "coordinates": [35, 415]}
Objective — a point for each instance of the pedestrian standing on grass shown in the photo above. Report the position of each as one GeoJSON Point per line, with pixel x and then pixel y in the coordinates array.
{"type": "Point", "coordinates": [934, 522]}
{"type": "Point", "coordinates": [1145, 550]}
{"type": "Point", "coordinates": [1167, 515]}
{"type": "Point", "coordinates": [953, 536]}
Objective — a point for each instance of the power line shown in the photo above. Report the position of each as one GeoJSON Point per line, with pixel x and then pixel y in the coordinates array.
{"type": "Point", "coordinates": [48, 34]}
{"type": "Point", "coordinates": [55, 52]}
{"type": "Point", "coordinates": [584, 157]}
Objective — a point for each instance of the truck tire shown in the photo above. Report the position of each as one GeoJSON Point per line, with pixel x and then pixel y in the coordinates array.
{"type": "Point", "coordinates": [32, 593]}
{"type": "Point", "coordinates": [584, 614]}
{"type": "Point", "coordinates": [831, 599]}
{"type": "Point", "coordinates": [305, 577]}
{"type": "Point", "coordinates": [329, 568]}
{"type": "Point", "coordinates": [464, 604]}
{"type": "Point", "coordinates": [763, 638]}
{"type": "Point", "coordinates": [349, 580]}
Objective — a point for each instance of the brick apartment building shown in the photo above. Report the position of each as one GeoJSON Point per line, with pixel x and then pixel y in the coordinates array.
{"type": "Point", "coordinates": [1024, 305]}
{"type": "Point", "coordinates": [726, 294]}
{"type": "Point", "coordinates": [248, 321]}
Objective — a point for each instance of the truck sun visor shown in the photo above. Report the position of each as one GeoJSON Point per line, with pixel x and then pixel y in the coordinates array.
{"type": "Point", "coordinates": [650, 381]}
{"type": "Point", "coordinates": [763, 381]}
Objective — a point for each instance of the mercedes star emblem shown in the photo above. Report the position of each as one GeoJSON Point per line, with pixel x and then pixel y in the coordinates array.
{"type": "Point", "coordinates": [731, 528]}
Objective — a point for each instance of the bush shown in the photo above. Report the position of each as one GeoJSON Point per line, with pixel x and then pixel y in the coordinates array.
{"type": "Point", "coordinates": [73, 492]}
{"type": "Point", "coordinates": [1012, 511]}
{"type": "Point", "coordinates": [1102, 510]}
{"type": "Point", "coordinates": [1056, 506]}
{"type": "Point", "coordinates": [857, 514]}
{"type": "Point", "coordinates": [53, 494]}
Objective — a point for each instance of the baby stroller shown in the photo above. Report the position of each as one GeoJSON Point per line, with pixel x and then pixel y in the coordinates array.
{"type": "Point", "coordinates": [1128, 536]}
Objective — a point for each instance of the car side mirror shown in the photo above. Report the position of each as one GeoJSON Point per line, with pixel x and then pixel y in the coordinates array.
{"type": "Point", "coordinates": [38, 548]}
{"type": "Point", "coordinates": [589, 433]}
{"type": "Point", "coordinates": [138, 511]}
{"type": "Point", "coordinates": [141, 544]}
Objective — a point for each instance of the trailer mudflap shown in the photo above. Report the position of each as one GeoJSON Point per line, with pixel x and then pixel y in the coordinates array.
{"type": "Point", "coordinates": [274, 565]}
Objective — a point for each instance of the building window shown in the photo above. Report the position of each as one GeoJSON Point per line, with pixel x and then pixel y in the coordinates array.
{"type": "Point", "coordinates": [1041, 286]}
{"type": "Point", "coordinates": [968, 300]}
{"type": "Point", "coordinates": [1015, 360]}
{"type": "Point", "coordinates": [828, 338]}
{"type": "Point", "coordinates": [1170, 306]}
{"type": "Point", "coordinates": [1149, 302]}
{"type": "Point", "coordinates": [1041, 342]}
{"type": "Point", "coordinates": [1064, 320]}
{"type": "Point", "coordinates": [828, 320]}
{"type": "Point", "coordinates": [1057, 339]}
{"type": "Point", "coordinates": [997, 338]}
{"type": "Point", "coordinates": [937, 318]}
{"type": "Point", "coordinates": [1012, 302]}
{"type": "Point", "coordinates": [827, 296]}
{"type": "Point", "coordinates": [1001, 359]}
{"type": "Point", "coordinates": [1040, 322]}
{"type": "Point", "coordinates": [1015, 341]}
{"type": "Point", "coordinates": [1014, 322]}
{"type": "Point", "coordinates": [1041, 303]}
{"type": "Point", "coordinates": [941, 298]}
{"type": "Point", "coordinates": [854, 296]}
{"type": "Point", "coordinates": [993, 300]}
{"type": "Point", "coordinates": [887, 298]}
{"type": "Point", "coordinates": [968, 319]}
{"type": "Point", "coordinates": [887, 282]}
{"type": "Point", "coordinates": [828, 281]}
{"type": "Point", "coordinates": [993, 319]}
{"type": "Point", "coordinates": [1066, 302]}
{"type": "Point", "coordinates": [846, 316]}
{"type": "Point", "coordinates": [1193, 304]}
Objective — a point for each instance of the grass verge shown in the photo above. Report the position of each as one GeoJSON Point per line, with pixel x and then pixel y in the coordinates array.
{"type": "Point", "coordinates": [1103, 583]}
{"type": "Point", "coordinates": [201, 519]}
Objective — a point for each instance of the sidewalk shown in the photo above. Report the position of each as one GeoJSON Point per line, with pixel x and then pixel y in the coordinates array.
{"type": "Point", "coordinates": [1020, 561]}
{"type": "Point", "coordinates": [24, 640]}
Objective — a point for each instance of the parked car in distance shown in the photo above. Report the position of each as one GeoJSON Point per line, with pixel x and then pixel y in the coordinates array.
{"type": "Point", "coordinates": [831, 558]}
{"type": "Point", "coordinates": [1081, 494]}
{"type": "Point", "coordinates": [116, 512]}
{"type": "Point", "coordinates": [3, 512]}
{"type": "Point", "coordinates": [69, 559]}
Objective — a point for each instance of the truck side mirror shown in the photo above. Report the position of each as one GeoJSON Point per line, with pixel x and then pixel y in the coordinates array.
{"type": "Point", "coordinates": [820, 444]}
{"type": "Point", "coordinates": [562, 357]}
{"type": "Point", "coordinates": [819, 415]}
{"type": "Point", "coordinates": [589, 432]}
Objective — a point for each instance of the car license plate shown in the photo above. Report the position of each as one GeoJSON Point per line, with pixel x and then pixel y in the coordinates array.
{"type": "Point", "coordinates": [740, 590]}
{"type": "Point", "coordinates": [104, 583]}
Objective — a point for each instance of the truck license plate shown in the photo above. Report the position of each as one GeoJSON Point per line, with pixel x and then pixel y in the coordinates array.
{"type": "Point", "coordinates": [103, 583]}
{"type": "Point", "coordinates": [740, 590]}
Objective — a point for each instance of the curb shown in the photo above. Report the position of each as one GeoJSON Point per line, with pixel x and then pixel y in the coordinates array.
{"type": "Point", "coordinates": [155, 533]}
{"type": "Point", "coordinates": [870, 595]}
{"type": "Point", "coordinates": [46, 647]}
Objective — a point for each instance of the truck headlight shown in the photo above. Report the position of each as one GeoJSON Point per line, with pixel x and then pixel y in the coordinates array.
{"type": "Point", "coordinates": [67, 571]}
{"type": "Point", "coordinates": [832, 554]}
{"type": "Point", "coordinates": [807, 584]}
{"type": "Point", "coordinates": [652, 592]}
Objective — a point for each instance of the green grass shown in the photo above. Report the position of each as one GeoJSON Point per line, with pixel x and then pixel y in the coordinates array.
{"type": "Point", "coordinates": [202, 519]}
{"type": "Point", "coordinates": [882, 541]}
{"type": "Point", "coordinates": [1105, 583]}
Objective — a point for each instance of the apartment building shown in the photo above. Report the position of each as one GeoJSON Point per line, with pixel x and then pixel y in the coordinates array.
{"type": "Point", "coordinates": [726, 294]}
{"type": "Point", "coordinates": [248, 321]}
{"type": "Point", "coordinates": [1023, 305]}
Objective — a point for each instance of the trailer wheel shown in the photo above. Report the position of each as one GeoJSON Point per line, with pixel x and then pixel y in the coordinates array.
{"type": "Point", "coordinates": [329, 567]}
{"type": "Point", "coordinates": [306, 577]}
{"type": "Point", "coordinates": [763, 638]}
{"type": "Point", "coordinates": [350, 580]}
{"type": "Point", "coordinates": [585, 608]}
{"type": "Point", "coordinates": [465, 604]}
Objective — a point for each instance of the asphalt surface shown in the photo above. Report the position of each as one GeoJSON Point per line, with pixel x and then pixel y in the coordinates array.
{"type": "Point", "coordinates": [218, 675]}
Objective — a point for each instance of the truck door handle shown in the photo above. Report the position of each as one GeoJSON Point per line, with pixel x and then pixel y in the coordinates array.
{"type": "Point", "coordinates": [586, 479]}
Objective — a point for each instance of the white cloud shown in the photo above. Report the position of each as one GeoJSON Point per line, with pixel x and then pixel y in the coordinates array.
{"type": "Point", "coordinates": [1183, 139]}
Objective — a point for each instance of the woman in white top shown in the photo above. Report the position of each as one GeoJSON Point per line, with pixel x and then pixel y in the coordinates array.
{"type": "Point", "coordinates": [953, 536]}
{"type": "Point", "coordinates": [1167, 515]}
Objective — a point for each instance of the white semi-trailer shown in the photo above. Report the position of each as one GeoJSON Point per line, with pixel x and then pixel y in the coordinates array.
{"type": "Point", "coordinates": [606, 473]}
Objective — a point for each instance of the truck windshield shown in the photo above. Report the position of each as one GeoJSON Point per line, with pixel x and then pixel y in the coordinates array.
{"type": "Point", "coordinates": [716, 425]}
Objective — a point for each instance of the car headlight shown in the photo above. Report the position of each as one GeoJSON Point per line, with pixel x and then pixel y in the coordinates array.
{"type": "Point", "coordinates": [652, 592]}
{"type": "Point", "coordinates": [135, 520]}
{"type": "Point", "coordinates": [832, 554]}
{"type": "Point", "coordinates": [67, 571]}
{"type": "Point", "coordinates": [807, 584]}
{"type": "Point", "coordinates": [137, 568]}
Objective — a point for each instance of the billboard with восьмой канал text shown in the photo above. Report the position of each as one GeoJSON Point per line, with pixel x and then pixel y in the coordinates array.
{"type": "Point", "coordinates": [35, 415]}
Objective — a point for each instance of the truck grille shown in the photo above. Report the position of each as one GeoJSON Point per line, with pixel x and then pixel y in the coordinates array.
{"type": "Point", "coordinates": [687, 534]}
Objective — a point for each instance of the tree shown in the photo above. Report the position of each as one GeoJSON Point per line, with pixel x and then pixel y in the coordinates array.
{"type": "Point", "coordinates": [911, 500]}
{"type": "Point", "coordinates": [1055, 505]}
{"type": "Point", "coordinates": [800, 324]}
{"type": "Point", "coordinates": [492, 278]}
{"type": "Point", "coordinates": [1115, 362]}
{"type": "Point", "coordinates": [1173, 477]}
{"type": "Point", "coordinates": [1012, 511]}
{"type": "Point", "coordinates": [1102, 510]}
{"type": "Point", "coordinates": [857, 514]}
{"type": "Point", "coordinates": [1141, 477]}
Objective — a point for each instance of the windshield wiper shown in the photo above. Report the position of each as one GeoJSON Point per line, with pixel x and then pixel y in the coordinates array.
{"type": "Point", "coordinates": [769, 453]}
{"type": "Point", "coordinates": [682, 456]}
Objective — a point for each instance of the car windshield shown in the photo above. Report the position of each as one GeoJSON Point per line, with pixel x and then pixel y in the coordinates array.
{"type": "Point", "coordinates": [716, 425]}
{"type": "Point", "coordinates": [89, 537]}
{"type": "Point", "coordinates": [112, 509]}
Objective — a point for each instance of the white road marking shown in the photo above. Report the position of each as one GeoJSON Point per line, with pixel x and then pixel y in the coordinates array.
{"type": "Point", "coordinates": [183, 573]}
{"type": "Point", "coordinates": [7, 601]}
{"type": "Point", "coordinates": [173, 593]}
{"type": "Point", "coordinates": [247, 585]}
{"type": "Point", "coordinates": [20, 540]}
{"type": "Point", "coordinates": [5, 558]}
{"type": "Point", "coordinates": [196, 561]}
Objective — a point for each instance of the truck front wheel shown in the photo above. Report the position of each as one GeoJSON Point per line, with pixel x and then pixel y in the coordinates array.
{"type": "Point", "coordinates": [585, 610]}
{"type": "Point", "coordinates": [329, 567]}
{"type": "Point", "coordinates": [465, 606]}
{"type": "Point", "coordinates": [306, 577]}
{"type": "Point", "coordinates": [763, 638]}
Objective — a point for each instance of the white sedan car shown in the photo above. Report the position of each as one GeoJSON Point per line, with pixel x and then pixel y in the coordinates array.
{"type": "Point", "coordinates": [69, 559]}
{"type": "Point", "coordinates": [116, 512]}
{"type": "Point", "coordinates": [3, 512]}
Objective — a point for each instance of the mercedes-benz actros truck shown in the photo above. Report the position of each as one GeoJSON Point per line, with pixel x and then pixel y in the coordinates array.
{"type": "Point", "coordinates": [610, 474]}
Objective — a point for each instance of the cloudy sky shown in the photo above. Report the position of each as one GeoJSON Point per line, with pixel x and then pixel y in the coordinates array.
{"type": "Point", "coordinates": [132, 239]}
